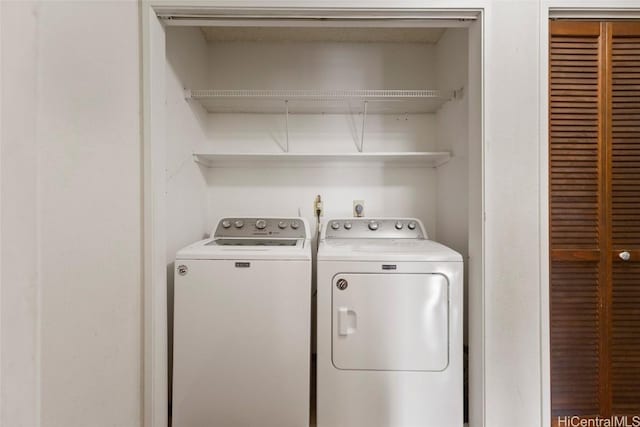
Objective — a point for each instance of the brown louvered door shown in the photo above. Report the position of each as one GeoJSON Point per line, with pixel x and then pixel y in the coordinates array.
{"type": "Point", "coordinates": [624, 206]}
{"type": "Point", "coordinates": [576, 218]}
{"type": "Point", "coordinates": [594, 201]}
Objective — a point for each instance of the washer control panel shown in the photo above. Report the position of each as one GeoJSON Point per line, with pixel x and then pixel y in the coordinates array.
{"type": "Point", "coordinates": [370, 228]}
{"type": "Point", "coordinates": [287, 228]}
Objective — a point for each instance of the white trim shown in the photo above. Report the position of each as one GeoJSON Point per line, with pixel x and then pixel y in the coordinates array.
{"type": "Point", "coordinates": [39, 219]}
{"type": "Point", "coordinates": [2, 385]}
{"type": "Point", "coordinates": [576, 9]}
{"type": "Point", "coordinates": [426, 23]}
{"type": "Point", "coordinates": [155, 412]}
{"type": "Point", "coordinates": [592, 13]}
{"type": "Point", "coordinates": [323, 17]}
{"type": "Point", "coordinates": [154, 271]}
{"type": "Point", "coordinates": [476, 322]}
{"type": "Point", "coordinates": [543, 209]}
{"type": "Point", "coordinates": [326, 13]}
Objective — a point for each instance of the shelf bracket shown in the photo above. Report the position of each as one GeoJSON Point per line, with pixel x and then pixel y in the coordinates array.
{"type": "Point", "coordinates": [197, 160]}
{"type": "Point", "coordinates": [458, 93]}
{"type": "Point", "coordinates": [286, 121]}
{"type": "Point", "coordinates": [364, 120]}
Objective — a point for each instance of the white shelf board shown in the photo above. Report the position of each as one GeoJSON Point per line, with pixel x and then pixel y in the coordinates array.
{"type": "Point", "coordinates": [321, 101]}
{"type": "Point", "coordinates": [408, 159]}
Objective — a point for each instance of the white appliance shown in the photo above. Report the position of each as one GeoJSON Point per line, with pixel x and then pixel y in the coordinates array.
{"type": "Point", "coordinates": [389, 326]}
{"type": "Point", "coordinates": [241, 351]}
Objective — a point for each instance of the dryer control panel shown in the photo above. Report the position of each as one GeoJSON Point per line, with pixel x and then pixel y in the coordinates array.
{"type": "Point", "coordinates": [370, 228]}
{"type": "Point", "coordinates": [275, 228]}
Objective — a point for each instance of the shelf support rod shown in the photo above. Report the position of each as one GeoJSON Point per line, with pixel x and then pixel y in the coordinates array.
{"type": "Point", "coordinates": [286, 121]}
{"type": "Point", "coordinates": [364, 119]}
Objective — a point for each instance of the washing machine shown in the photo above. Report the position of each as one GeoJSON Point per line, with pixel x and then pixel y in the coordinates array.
{"type": "Point", "coordinates": [389, 326]}
{"type": "Point", "coordinates": [242, 319]}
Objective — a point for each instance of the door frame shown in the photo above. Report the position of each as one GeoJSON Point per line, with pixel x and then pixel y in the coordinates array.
{"type": "Point", "coordinates": [154, 319]}
{"type": "Point", "coordinates": [565, 9]}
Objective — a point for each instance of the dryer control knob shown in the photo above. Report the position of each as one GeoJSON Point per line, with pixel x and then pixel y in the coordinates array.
{"type": "Point", "coordinates": [412, 225]}
{"type": "Point", "coordinates": [335, 225]}
{"type": "Point", "coordinates": [347, 226]}
{"type": "Point", "coordinates": [226, 223]}
{"type": "Point", "coordinates": [399, 225]}
{"type": "Point", "coordinates": [295, 225]}
{"type": "Point", "coordinates": [373, 226]}
{"type": "Point", "coordinates": [261, 224]}
{"type": "Point", "coordinates": [282, 225]}
{"type": "Point", "coordinates": [239, 224]}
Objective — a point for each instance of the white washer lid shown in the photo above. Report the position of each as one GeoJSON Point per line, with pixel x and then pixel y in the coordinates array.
{"type": "Point", "coordinates": [207, 249]}
{"type": "Point", "coordinates": [385, 250]}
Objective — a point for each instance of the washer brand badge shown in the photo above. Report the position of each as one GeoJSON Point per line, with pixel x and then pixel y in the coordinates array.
{"type": "Point", "coordinates": [389, 266]}
{"type": "Point", "coordinates": [243, 264]}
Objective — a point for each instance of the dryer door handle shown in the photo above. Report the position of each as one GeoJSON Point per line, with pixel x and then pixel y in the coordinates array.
{"type": "Point", "coordinates": [347, 321]}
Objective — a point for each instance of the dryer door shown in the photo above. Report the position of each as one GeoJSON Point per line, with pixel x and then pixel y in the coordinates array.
{"type": "Point", "coordinates": [390, 322]}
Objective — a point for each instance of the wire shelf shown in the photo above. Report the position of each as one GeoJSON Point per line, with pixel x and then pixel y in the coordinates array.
{"type": "Point", "coordinates": [339, 101]}
{"type": "Point", "coordinates": [404, 159]}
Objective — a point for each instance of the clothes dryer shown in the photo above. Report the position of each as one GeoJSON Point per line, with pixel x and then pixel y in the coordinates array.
{"type": "Point", "coordinates": [390, 325]}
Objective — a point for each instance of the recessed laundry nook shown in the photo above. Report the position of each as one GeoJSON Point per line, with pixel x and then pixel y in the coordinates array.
{"type": "Point", "coordinates": [365, 124]}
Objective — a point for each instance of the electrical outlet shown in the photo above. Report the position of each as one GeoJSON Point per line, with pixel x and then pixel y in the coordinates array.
{"type": "Point", "coordinates": [358, 208]}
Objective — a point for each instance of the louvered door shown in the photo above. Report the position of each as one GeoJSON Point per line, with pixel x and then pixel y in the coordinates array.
{"type": "Point", "coordinates": [594, 200]}
{"type": "Point", "coordinates": [624, 152]}
{"type": "Point", "coordinates": [576, 217]}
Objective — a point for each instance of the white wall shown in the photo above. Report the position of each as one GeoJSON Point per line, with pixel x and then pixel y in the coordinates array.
{"type": "Point", "coordinates": [512, 239]}
{"type": "Point", "coordinates": [282, 191]}
{"type": "Point", "coordinates": [71, 215]}
{"type": "Point", "coordinates": [19, 295]}
{"type": "Point", "coordinates": [452, 186]}
{"type": "Point", "coordinates": [185, 185]}
{"type": "Point", "coordinates": [320, 65]}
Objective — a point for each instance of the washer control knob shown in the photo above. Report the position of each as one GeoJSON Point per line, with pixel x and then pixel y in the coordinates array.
{"type": "Point", "coordinates": [282, 225]}
{"type": "Point", "coordinates": [373, 226]}
{"type": "Point", "coordinates": [239, 224]}
{"type": "Point", "coordinates": [226, 223]}
{"type": "Point", "coordinates": [411, 225]}
{"type": "Point", "coordinates": [399, 225]}
{"type": "Point", "coordinates": [335, 225]}
{"type": "Point", "coordinates": [295, 225]}
{"type": "Point", "coordinates": [261, 224]}
{"type": "Point", "coordinates": [347, 226]}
